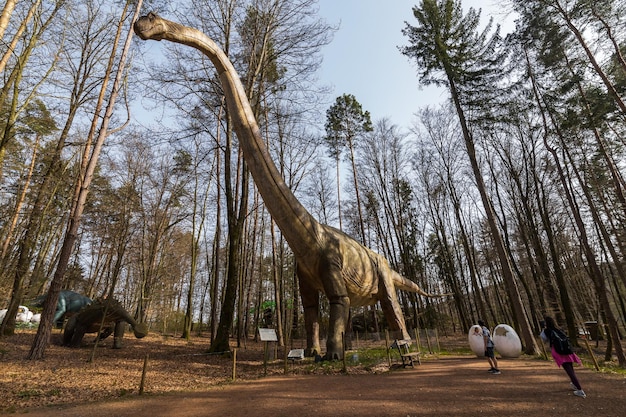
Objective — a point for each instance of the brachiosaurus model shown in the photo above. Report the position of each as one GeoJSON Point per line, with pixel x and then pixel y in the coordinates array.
{"type": "Point", "coordinates": [328, 260]}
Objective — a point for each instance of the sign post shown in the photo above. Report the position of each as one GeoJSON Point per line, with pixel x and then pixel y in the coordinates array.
{"type": "Point", "coordinates": [267, 335]}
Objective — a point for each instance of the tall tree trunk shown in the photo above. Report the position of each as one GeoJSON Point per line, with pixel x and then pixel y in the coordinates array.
{"type": "Point", "coordinates": [19, 203]}
{"type": "Point", "coordinates": [530, 343]}
{"type": "Point", "coordinates": [236, 222]}
{"type": "Point", "coordinates": [7, 11]}
{"type": "Point", "coordinates": [595, 272]}
{"type": "Point", "coordinates": [338, 193]}
{"type": "Point", "coordinates": [357, 193]}
{"type": "Point", "coordinates": [592, 59]}
{"type": "Point", "coordinates": [617, 48]}
{"type": "Point", "coordinates": [4, 22]}
{"type": "Point", "coordinates": [215, 276]}
{"type": "Point", "coordinates": [615, 174]}
{"type": "Point", "coordinates": [196, 234]}
{"type": "Point", "coordinates": [469, 254]}
{"type": "Point", "coordinates": [277, 278]}
{"type": "Point", "coordinates": [28, 242]}
{"type": "Point", "coordinates": [42, 337]}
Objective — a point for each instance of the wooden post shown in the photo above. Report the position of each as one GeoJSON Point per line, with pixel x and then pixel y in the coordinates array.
{"type": "Point", "coordinates": [593, 357]}
{"type": "Point", "coordinates": [543, 348]}
{"type": "Point", "coordinates": [417, 340]}
{"type": "Point", "coordinates": [143, 374]}
{"type": "Point", "coordinates": [343, 351]}
{"type": "Point", "coordinates": [430, 349]}
{"type": "Point", "coordinates": [387, 346]}
{"type": "Point", "coordinates": [234, 364]}
{"type": "Point", "coordinates": [265, 360]}
{"type": "Point", "coordinates": [286, 367]}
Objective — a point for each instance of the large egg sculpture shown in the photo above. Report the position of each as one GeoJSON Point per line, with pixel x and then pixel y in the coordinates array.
{"type": "Point", "coordinates": [476, 342]}
{"type": "Point", "coordinates": [506, 341]}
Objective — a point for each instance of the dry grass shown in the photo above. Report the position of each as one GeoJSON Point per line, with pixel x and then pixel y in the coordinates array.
{"type": "Point", "coordinates": [66, 375]}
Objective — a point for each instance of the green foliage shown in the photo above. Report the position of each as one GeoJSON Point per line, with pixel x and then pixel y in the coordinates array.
{"type": "Point", "coordinates": [256, 32]}
{"type": "Point", "coordinates": [366, 358]}
{"type": "Point", "coordinates": [29, 393]}
{"type": "Point", "coordinates": [37, 119]}
{"type": "Point", "coordinates": [433, 319]}
{"type": "Point", "coordinates": [369, 357]}
{"type": "Point", "coordinates": [170, 323]}
{"type": "Point", "coordinates": [123, 392]}
{"type": "Point", "coordinates": [345, 121]}
{"type": "Point", "coordinates": [446, 44]}
{"type": "Point", "coordinates": [450, 51]}
{"type": "Point", "coordinates": [612, 368]}
{"type": "Point", "coordinates": [182, 162]}
{"type": "Point", "coordinates": [29, 325]}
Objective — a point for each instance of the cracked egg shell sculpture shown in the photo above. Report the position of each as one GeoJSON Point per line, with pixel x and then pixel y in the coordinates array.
{"type": "Point", "coordinates": [475, 338]}
{"type": "Point", "coordinates": [508, 343]}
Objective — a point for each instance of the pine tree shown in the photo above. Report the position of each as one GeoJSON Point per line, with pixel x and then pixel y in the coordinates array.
{"type": "Point", "coordinates": [450, 52]}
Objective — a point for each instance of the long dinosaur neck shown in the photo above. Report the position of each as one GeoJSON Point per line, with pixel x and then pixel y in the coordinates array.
{"type": "Point", "coordinates": [295, 222]}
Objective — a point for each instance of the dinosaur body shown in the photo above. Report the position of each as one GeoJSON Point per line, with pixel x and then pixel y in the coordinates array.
{"type": "Point", "coordinates": [328, 261]}
{"type": "Point", "coordinates": [109, 313]}
{"type": "Point", "coordinates": [69, 303]}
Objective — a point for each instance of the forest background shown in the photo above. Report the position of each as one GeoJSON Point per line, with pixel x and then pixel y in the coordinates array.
{"type": "Point", "coordinates": [509, 195]}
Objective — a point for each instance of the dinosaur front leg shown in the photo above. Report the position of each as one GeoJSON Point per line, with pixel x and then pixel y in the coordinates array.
{"type": "Point", "coordinates": [74, 332]}
{"type": "Point", "coordinates": [60, 311]}
{"type": "Point", "coordinates": [311, 304]}
{"type": "Point", "coordinates": [68, 332]}
{"type": "Point", "coordinates": [339, 314]}
{"type": "Point", "coordinates": [118, 335]}
{"type": "Point", "coordinates": [337, 294]}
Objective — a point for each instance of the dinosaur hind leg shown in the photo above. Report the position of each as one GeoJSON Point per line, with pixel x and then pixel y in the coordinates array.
{"type": "Point", "coordinates": [311, 304]}
{"type": "Point", "coordinates": [391, 307]}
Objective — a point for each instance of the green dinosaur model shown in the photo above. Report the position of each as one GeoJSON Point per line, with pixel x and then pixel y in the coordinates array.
{"type": "Point", "coordinates": [69, 303]}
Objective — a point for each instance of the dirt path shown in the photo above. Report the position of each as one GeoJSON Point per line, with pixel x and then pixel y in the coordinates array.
{"type": "Point", "coordinates": [451, 386]}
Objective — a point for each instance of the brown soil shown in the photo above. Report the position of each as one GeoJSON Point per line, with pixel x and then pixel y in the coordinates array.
{"type": "Point", "coordinates": [183, 380]}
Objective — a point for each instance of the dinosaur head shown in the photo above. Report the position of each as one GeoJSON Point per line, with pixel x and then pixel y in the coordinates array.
{"type": "Point", "coordinates": [38, 301]}
{"type": "Point", "coordinates": [151, 27]}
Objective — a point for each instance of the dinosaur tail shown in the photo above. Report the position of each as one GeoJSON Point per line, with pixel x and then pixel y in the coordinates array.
{"type": "Point", "coordinates": [402, 283]}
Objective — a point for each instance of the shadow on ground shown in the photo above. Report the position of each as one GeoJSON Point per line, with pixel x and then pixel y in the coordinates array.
{"type": "Point", "coordinates": [452, 386]}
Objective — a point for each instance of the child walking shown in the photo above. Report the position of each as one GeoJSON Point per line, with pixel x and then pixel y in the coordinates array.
{"type": "Point", "coordinates": [489, 353]}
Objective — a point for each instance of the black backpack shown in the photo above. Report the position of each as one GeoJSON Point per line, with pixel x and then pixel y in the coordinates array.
{"type": "Point", "coordinates": [561, 342]}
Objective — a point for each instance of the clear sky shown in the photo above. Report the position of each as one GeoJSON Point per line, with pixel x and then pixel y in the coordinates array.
{"type": "Point", "coordinates": [364, 60]}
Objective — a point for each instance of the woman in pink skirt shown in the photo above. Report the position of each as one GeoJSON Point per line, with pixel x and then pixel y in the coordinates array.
{"type": "Point", "coordinates": [565, 361]}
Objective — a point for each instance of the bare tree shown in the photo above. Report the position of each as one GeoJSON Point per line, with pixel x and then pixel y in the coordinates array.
{"type": "Point", "coordinates": [90, 160]}
{"type": "Point", "coordinates": [467, 60]}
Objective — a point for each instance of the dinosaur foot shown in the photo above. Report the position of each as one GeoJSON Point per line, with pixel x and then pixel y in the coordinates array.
{"type": "Point", "coordinates": [331, 356]}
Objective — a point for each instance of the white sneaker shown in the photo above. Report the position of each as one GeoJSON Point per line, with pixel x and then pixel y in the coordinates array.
{"type": "Point", "coordinates": [573, 386]}
{"type": "Point", "coordinates": [580, 393]}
